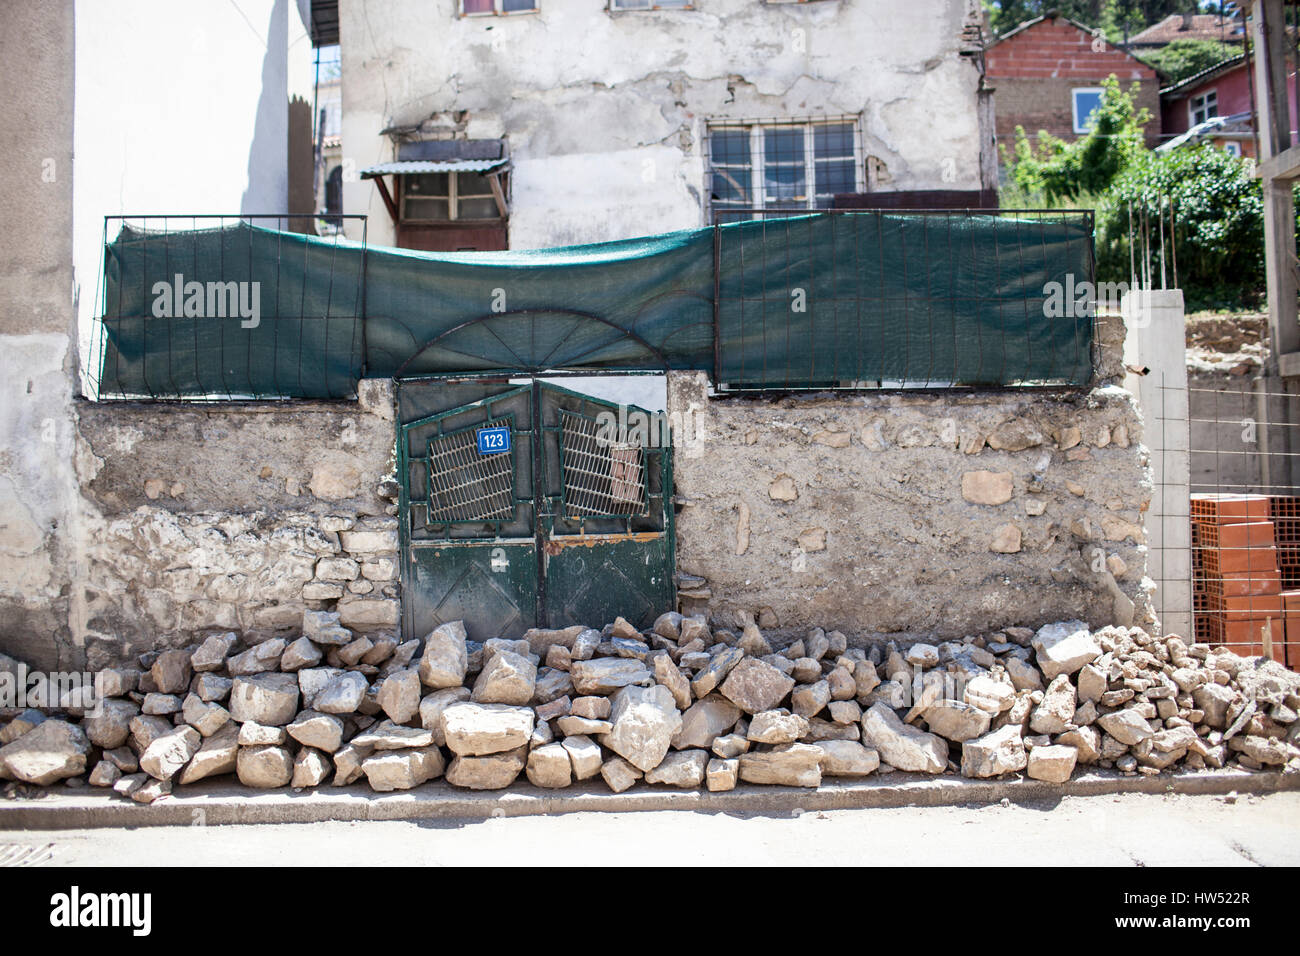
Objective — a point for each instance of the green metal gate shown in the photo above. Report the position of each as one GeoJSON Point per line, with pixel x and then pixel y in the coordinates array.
{"type": "Point", "coordinates": [568, 525]}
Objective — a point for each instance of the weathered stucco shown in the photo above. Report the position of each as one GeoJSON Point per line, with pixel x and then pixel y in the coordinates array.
{"type": "Point", "coordinates": [917, 513]}
{"type": "Point", "coordinates": [274, 456]}
{"type": "Point", "coordinates": [36, 380]}
{"type": "Point", "coordinates": [605, 112]}
{"type": "Point", "coordinates": [235, 517]}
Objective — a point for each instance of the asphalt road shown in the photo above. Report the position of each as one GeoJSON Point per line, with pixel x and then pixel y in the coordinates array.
{"type": "Point", "coordinates": [1123, 830]}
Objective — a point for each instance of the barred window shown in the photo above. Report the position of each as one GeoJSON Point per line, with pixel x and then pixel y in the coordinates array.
{"type": "Point", "coordinates": [651, 5]}
{"type": "Point", "coordinates": [758, 166]}
{"type": "Point", "coordinates": [488, 8]}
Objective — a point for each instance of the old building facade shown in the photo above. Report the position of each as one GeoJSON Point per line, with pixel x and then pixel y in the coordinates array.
{"type": "Point", "coordinates": [548, 123]}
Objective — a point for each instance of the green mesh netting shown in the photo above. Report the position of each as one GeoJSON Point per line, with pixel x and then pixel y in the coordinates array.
{"type": "Point", "coordinates": [859, 299]}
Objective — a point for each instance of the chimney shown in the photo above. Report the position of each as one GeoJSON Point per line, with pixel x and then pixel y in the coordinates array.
{"type": "Point", "coordinates": [1187, 22]}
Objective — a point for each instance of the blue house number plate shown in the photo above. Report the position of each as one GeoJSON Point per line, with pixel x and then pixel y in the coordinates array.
{"type": "Point", "coordinates": [493, 440]}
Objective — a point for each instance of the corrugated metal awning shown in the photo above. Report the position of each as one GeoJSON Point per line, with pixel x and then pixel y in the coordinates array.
{"type": "Point", "coordinates": [407, 167]}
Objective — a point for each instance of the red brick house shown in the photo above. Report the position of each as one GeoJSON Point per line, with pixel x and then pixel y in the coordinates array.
{"type": "Point", "coordinates": [1047, 75]}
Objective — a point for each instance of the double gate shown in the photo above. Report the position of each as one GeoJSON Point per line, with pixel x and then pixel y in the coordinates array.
{"type": "Point", "coordinates": [525, 505]}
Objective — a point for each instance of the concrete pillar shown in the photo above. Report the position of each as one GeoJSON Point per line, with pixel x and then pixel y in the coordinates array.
{"type": "Point", "coordinates": [37, 486]}
{"type": "Point", "coordinates": [1157, 341]}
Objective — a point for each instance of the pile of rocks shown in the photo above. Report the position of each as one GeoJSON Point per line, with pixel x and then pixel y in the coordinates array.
{"type": "Point", "coordinates": [681, 705]}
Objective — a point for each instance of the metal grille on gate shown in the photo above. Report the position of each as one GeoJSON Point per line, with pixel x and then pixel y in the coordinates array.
{"type": "Point", "coordinates": [600, 477]}
{"type": "Point", "coordinates": [465, 485]}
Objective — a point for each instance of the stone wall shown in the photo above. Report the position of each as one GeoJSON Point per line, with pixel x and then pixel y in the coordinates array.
{"type": "Point", "coordinates": [887, 513]}
{"type": "Point", "coordinates": [235, 517]}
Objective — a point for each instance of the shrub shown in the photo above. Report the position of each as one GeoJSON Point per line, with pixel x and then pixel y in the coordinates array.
{"type": "Point", "coordinates": [1218, 223]}
{"type": "Point", "coordinates": [1062, 171]}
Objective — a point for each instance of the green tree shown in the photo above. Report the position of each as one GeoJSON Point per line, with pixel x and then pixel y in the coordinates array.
{"type": "Point", "coordinates": [1218, 234]}
{"type": "Point", "coordinates": [1119, 18]}
{"type": "Point", "coordinates": [1184, 58]}
{"type": "Point", "coordinates": [1062, 171]}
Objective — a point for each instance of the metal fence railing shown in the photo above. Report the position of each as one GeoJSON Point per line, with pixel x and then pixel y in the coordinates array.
{"type": "Point", "coordinates": [228, 307]}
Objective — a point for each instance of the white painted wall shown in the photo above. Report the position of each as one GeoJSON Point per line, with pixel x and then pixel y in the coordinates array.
{"type": "Point", "coordinates": [180, 108]}
{"type": "Point", "coordinates": [605, 112]}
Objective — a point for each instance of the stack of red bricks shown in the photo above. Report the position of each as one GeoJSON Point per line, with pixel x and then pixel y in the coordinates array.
{"type": "Point", "coordinates": [1237, 578]}
{"type": "Point", "coordinates": [1284, 510]}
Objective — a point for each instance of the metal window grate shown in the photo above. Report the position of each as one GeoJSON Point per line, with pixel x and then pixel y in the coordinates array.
{"type": "Point", "coordinates": [467, 486]}
{"type": "Point", "coordinates": [601, 477]}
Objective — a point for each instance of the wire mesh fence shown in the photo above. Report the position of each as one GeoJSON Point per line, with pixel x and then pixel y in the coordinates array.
{"type": "Point", "coordinates": [1227, 555]}
{"type": "Point", "coordinates": [218, 308]}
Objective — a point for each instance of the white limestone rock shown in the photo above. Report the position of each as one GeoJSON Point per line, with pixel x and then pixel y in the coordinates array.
{"type": "Point", "coordinates": [755, 686]}
{"type": "Point", "coordinates": [434, 704]}
{"type": "Point", "coordinates": [268, 699]}
{"type": "Point", "coordinates": [1053, 764]}
{"type": "Point", "coordinates": [390, 770]}
{"type": "Point", "coordinates": [446, 658]}
{"type": "Point", "coordinates": [683, 768]}
{"type": "Point", "coordinates": [847, 758]}
{"type": "Point", "coordinates": [507, 678]}
{"type": "Point", "coordinates": [704, 721]}
{"type": "Point", "coordinates": [645, 721]}
{"type": "Point", "coordinates": [776, 727]}
{"type": "Point", "coordinates": [215, 756]}
{"type": "Point", "coordinates": [1055, 714]}
{"type": "Point", "coordinates": [549, 767]}
{"type": "Point", "coordinates": [473, 730]}
{"type": "Point", "coordinates": [901, 746]}
{"type": "Point", "coordinates": [311, 728]}
{"type": "Point", "coordinates": [399, 695]}
{"type": "Point", "coordinates": [342, 695]}
{"type": "Point", "coordinates": [310, 768]}
{"type": "Point", "coordinates": [790, 765]}
{"type": "Point", "coordinates": [1126, 725]}
{"type": "Point", "coordinates": [264, 768]}
{"type": "Point", "coordinates": [1064, 648]}
{"type": "Point", "coordinates": [956, 720]}
{"type": "Point", "coordinates": [605, 675]}
{"type": "Point", "coordinates": [491, 772]}
{"type": "Point", "coordinates": [165, 757]}
{"type": "Point", "coordinates": [998, 752]}
{"type": "Point", "coordinates": [52, 750]}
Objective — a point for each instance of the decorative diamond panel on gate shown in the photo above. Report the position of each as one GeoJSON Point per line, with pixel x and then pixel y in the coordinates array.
{"type": "Point", "coordinates": [601, 477]}
{"type": "Point", "coordinates": [465, 485]}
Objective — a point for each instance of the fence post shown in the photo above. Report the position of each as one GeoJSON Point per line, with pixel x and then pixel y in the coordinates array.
{"type": "Point", "coordinates": [1157, 340]}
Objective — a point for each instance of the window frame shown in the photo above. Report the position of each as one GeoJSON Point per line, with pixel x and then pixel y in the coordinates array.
{"type": "Point", "coordinates": [1077, 123]}
{"type": "Point", "coordinates": [452, 198]}
{"type": "Point", "coordinates": [611, 6]}
{"type": "Point", "coordinates": [496, 10]}
{"type": "Point", "coordinates": [1208, 99]}
{"type": "Point", "coordinates": [758, 161]}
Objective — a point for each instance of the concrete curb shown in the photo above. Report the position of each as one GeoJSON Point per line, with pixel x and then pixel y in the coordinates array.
{"type": "Point", "coordinates": [216, 803]}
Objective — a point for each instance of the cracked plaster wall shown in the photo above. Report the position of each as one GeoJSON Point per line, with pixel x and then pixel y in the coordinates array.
{"type": "Point", "coordinates": [605, 112]}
